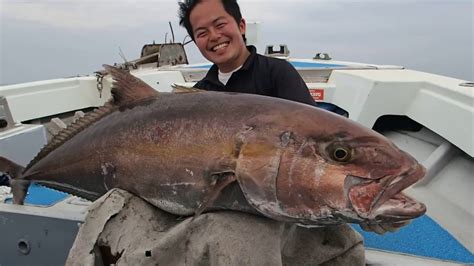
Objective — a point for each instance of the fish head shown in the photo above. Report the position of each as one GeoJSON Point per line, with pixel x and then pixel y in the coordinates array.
{"type": "Point", "coordinates": [318, 168]}
{"type": "Point", "coordinates": [347, 173]}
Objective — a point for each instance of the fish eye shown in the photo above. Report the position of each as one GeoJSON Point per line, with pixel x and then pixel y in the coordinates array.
{"type": "Point", "coordinates": [341, 154]}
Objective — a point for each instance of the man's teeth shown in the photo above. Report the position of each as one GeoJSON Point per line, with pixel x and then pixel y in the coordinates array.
{"type": "Point", "coordinates": [222, 45]}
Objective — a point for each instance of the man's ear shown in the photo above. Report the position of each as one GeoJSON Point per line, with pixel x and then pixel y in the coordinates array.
{"type": "Point", "coordinates": [242, 26]}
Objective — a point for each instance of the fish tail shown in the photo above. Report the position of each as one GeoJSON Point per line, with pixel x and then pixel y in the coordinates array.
{"type": "Point", "coordinates": [19, 190]}
{"type": "Point", "coordinates": [11, 174]}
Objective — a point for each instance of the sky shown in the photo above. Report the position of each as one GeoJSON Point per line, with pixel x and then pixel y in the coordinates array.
{"type": "Point", "coordinates": [46, 39]}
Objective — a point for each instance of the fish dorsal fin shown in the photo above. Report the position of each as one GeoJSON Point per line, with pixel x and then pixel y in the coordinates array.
{"type": "Point", "coordinates": [128, 88]}
{"type": "Point", "coordinates": [73, 129]}
{"type": "Point", "coordinates": [183, 89]}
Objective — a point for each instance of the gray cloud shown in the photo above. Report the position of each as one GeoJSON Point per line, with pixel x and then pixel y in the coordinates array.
{"type": "Point", "coordinates": [89, 15]}
{"type": "Point", "coordinates": [50, 39]}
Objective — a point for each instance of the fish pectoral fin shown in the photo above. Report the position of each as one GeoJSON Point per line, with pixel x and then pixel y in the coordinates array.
{"type": "Point", "coordinates": [183, 89]}
{"type": "Point", "coordinates": [222, 181]}
{"type": "Point", "coordinates": [128, 88]}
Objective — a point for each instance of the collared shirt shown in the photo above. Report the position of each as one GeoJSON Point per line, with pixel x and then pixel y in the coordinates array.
{"type": "Point", "coordinates": [261, 75]}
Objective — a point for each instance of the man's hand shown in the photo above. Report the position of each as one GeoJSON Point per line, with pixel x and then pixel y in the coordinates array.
{"type": "Point", "coordinates": [383, 228]}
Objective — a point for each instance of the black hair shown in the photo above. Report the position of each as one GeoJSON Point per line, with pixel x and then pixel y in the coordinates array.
{"type": "Point", "coordinates": [186, 6]}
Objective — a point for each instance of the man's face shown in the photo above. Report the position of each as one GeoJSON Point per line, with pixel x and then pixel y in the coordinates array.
{"type": "Point", "coordinates": [218, 36]}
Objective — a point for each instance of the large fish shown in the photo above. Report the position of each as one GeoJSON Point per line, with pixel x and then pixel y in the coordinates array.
{"type": "Point", "coordinates": [201, 151]}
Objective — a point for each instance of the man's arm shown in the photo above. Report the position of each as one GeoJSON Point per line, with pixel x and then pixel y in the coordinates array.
{"type": "Point", "coordinates": [200, 85]}
{"type": "Point", "coordinates": [288, 84]}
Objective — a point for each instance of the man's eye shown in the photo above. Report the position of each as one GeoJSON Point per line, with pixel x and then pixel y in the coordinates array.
{"type": "Point", "coordinates": [201, 34]}
{"type": "Point", "coordinates": [220, 25]}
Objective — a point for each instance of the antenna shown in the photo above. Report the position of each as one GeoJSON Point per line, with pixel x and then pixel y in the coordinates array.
{"type": "Point", "coordinates": [172, 32]}
{"type": "Point", "coordinates": [121, 54]}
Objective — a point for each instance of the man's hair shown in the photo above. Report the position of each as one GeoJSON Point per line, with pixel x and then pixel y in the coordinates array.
{"type": "Point", "coordinates": [186, 6]}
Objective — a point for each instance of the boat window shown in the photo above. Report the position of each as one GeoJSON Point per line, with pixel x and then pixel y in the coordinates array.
{"type": "Point", "coordinates": [396, 122]}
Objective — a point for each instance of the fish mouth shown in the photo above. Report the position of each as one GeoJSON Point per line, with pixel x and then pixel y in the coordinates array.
{"type": "Point", "coordinates": [382, 200]}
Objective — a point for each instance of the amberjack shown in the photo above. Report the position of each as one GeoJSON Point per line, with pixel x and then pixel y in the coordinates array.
{"type": "Point", "coordinates": [194, 151]}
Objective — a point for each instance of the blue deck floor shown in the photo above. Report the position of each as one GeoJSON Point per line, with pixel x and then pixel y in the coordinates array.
{"type": "Point", "coordinates": [41, 196]}
{"type": "Point", "coordinates": [422, 237]}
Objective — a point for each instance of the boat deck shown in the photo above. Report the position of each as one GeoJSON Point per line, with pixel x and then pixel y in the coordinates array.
{"type": "Point", "coordinates": [444, 236]}
{"type": "Point", "coordinates": [422, 238]}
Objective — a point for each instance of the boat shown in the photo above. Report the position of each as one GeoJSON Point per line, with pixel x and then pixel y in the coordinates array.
{"type": "Point", "coordinates": [429, 116]}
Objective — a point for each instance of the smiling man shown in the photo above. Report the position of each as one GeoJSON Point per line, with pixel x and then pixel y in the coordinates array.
{"type": "Point", "coordinates": [219, 36]}
{"type": "Point", "coordinates": [218, 29]}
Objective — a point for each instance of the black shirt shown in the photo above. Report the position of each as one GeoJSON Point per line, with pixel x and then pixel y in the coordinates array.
{"type": "Point", "coordinates": [261, 75]}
